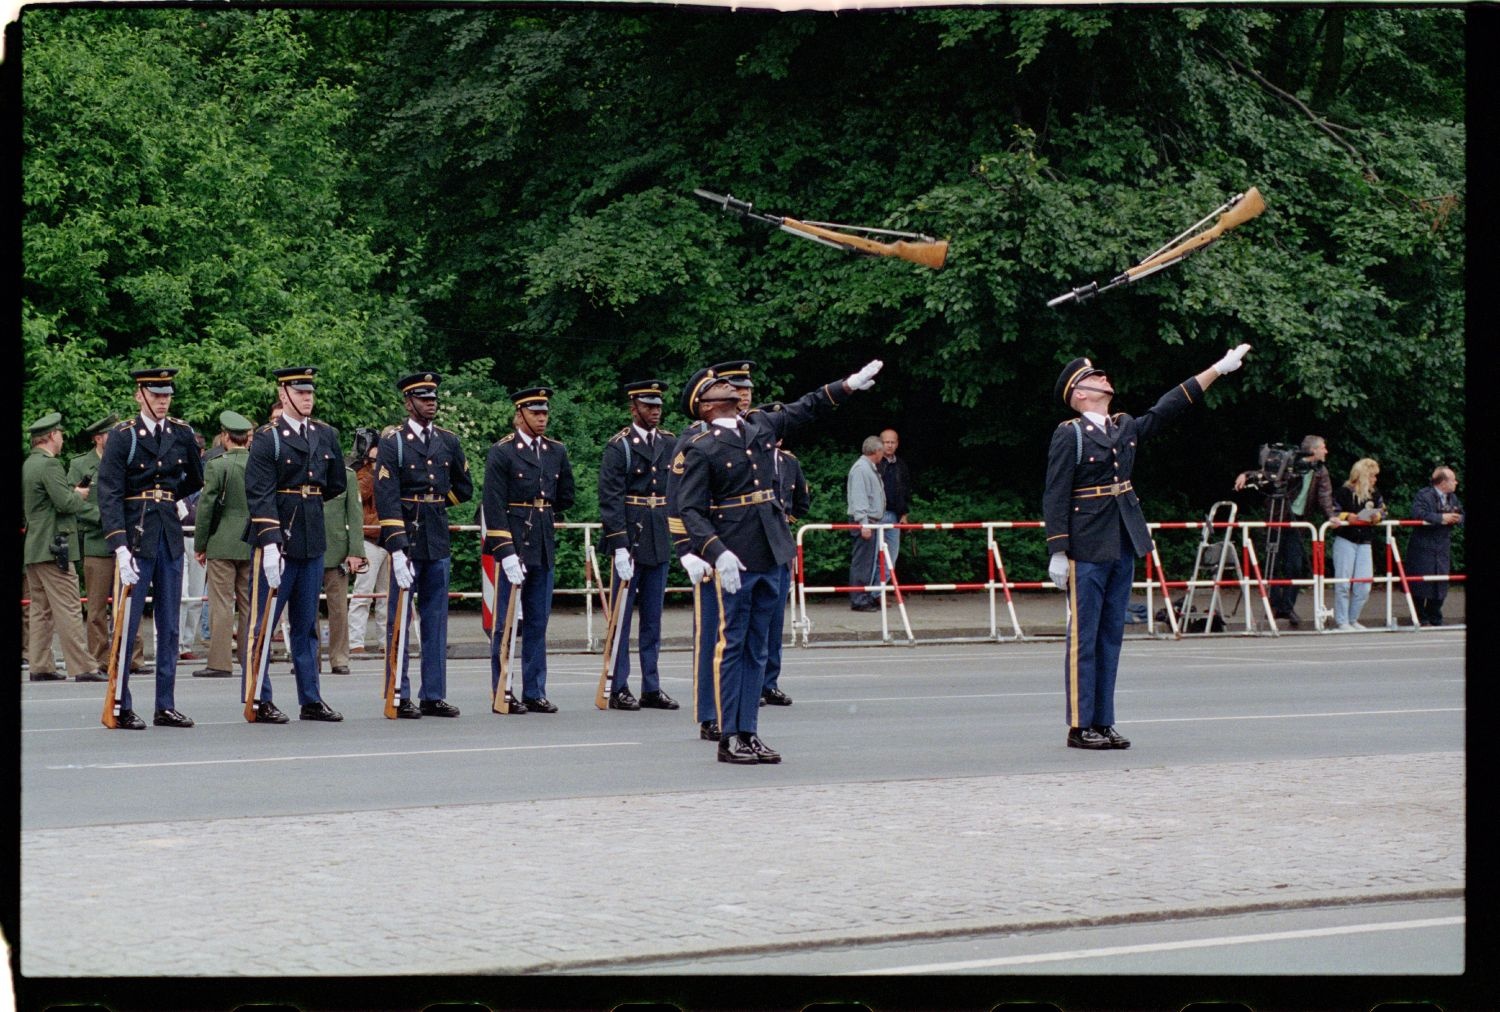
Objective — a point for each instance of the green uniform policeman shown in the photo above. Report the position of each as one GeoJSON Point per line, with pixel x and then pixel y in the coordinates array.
{"type": "Point", "coordinates": [51, 506]}
{"type": "Point", "coordinates": [218, 541]}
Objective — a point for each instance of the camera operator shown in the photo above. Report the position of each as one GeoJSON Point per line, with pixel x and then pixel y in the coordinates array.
{"type": "Point", "coordinates": [51, 506]}
{"type": "Point", "coordinates": [1297, 490]}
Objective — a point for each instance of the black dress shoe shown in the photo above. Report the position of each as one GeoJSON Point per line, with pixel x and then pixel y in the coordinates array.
{"type": "Point", "coordinates": [1086, 737]}
{"type": "Point", "coordinates": [657, 701]}
{"type": "Point", "coordinates": [515, 706]}
{"type": "Point", "coordinates": [872, 606]}
{"type": "Point", "coordinates": [736, 749]}
{"type": "Point", "coordinates": [340, 669]}
{"type": "Point", "coordinates": [438, 708]}
{"type": "Point", "coordinates": [623, 700]}
{"type": "Point", "coordinates": [763, 752]}
{"type": "Point", "coordinates": [171, 718]}
{"type": "Point", "coordinates": [775, 697]}
{"type": "Point", "coordinates": [539, 705]}
{"type": "Point", "coordinates": [47, 676]}
{"type": "Point", "coordinates": [319, 711]}
{"type": "Point", "coordinates": [1115, 738]}
{"type": "Point", "coordinates": [212, 673]}
{"type": "Point", "coordinates": [266, 712]}
{"type": "Point", "coordinates": [407, 710]}
{"type": "Point", "coordinates": [129, 721]}
{"type": "Point", "coordinates": [92, 676]}
{"type": "Point", "coordinates": [708, 730]}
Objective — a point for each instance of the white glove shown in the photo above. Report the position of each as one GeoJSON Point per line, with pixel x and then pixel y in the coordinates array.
{"type": "Point", "coordinates": [514, 571]}
{"type": "Point", "coordinates": [402, 569]}
{"type": "Point", "coordinates": [130, 573]}
{"type": "Point", "coordinates": [1057, 568]}
{"type": "Point", "coordinates": [181, 510]}
{"type": "Point", "coordinates": [1229, 363]}
{"type": "Point", "coordinates": [728, 567]}
{"type": "Point", "coordinates": [270, 562]}
{"type": "Point", "coordinates": [1369, 514]}
{"type": "Point", "coordinates": [623, 565]}
{"type": "Point", "coordinates": [865, 378]}
{"type": "Point", "coordinates": [697, 569]}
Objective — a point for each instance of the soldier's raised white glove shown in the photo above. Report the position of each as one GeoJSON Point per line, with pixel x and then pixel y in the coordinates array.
{"type": "Point", "coordinates": [865, 378]}
{"type": "Point", "coordinates": [181, 510]}
{"type": "Point", "coordinates": [130, 573]}
{"type": "Point", "coordinates": [623, 565]}
{"type": "Point", "coordinates": [1229, 363]}
{"type": "Point", "coordinates": [402, 570]}
{"type": "Point", "coordinates": [1057, 568]}
{"type": "Point", "coordinates": [514, 571]}
{"type": "Point", "coordinates": [272, 564]}
{"type": "Point", "coordinates": [728, 567]}
{"type": "Point", "coordinates": [697, 569]}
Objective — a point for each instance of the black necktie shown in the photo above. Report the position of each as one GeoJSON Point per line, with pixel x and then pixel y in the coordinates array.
{"type": "Point", "coordinates": [422, 437]}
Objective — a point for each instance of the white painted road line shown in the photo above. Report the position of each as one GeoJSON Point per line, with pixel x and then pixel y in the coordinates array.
{"type": "Point", "coordinates": [1131, 950]}
{"type": "Point", "coordinates": [338, 755]}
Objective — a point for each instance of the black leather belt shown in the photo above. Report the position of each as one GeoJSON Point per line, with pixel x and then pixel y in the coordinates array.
{"type": "Point", "coordinates": [1098, 491]}
{"type": "Point", "coordinates": [748, 499]}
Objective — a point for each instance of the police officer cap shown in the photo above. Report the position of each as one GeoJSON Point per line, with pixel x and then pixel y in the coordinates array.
{"type": "Point", "coordinates": [697, 384]}
{"type": "Point", "coordinates": [419, 384]}
{"type": "Point", "coordinates": [298, 377]}
{"type": "Point", "coordinates": [155, 381]}
{"type": "Point", "coordinates": [532, 398]}
{"type": "Point", "coordinates": [107, 422]}
{"type": "Point", "coordinates": [46, 424]}
{"type": "Point", "coordinates": [645, 391]}
{"type": "Point", "coordinates": [737, 372]}
{"type": "Point", "coordinates": [1074, 372]}
{"type": "Point", "coordinates": [233, 421]}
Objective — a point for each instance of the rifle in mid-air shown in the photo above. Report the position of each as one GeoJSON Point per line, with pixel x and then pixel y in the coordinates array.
{"type": "Point", "coordinates": [1231, 214]}
{"type": "Point", "coordinates": [911, 246]}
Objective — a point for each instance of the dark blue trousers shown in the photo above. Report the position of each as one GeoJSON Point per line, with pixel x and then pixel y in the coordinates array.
{"type": "Point", "coordinates": [708, 639]}
{"type": "Point", "coordinates": [536, 609]}
{"type": "Point", "coordinates": [301, 583]}
{"type": "Point", "coordinates": [1098, 593]}
{"type": "Point", "coordinates": [742, 667]}
{"type": "Point", "coordinates": [645, 595]}
{"type": "Point", "coordinates": [430, 596]}
{"type": "Point", "coordinates": [777, 631]}
{"type": "Point", "coordinates": [161, 578]}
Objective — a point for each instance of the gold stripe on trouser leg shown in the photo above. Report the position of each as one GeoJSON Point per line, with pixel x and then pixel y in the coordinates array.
{"type": "Point", "coordinates": [1073, 711]}
{"type": "Point", "coordinates": [719, 655]}
{"type": "Point", "coordinates": [697, 639]}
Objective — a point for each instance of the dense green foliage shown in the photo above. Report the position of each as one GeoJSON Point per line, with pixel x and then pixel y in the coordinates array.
{"type": "Point", "coordinates": [505, 195]}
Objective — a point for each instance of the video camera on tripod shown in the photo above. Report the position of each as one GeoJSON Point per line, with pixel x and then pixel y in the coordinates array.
{"type": "Point", "coordinates": [1279, 464]}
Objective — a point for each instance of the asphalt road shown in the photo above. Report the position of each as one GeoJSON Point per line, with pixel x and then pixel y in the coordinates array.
{"type": "Point", "coordinates": [927, 817]}
{"type": "Point", "coordinates": [860, 714]}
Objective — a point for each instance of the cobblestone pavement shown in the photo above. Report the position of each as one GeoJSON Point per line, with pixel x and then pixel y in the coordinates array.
{"type": "Point", "coordinates": [545, 886]}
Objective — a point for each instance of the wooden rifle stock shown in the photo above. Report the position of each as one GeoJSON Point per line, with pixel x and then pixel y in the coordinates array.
{"type": "Point", "coordinates": [612, 641]}
{"type": "Point", "coordinates": [395, 650]}
{"type": "Point", "coordinates": [114, 692]}
{"type": "Point", "coordinates": [1247, 207]}
{"type": "Point", "coordinates": [258, 653]}
{"type": "Point", "coordinates": [500, 703]}
{"type": "Point", "coordinates": [928, 254]}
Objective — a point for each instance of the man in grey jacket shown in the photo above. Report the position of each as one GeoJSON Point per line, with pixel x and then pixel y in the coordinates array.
{"type": "Point", "coordinates": [865, 493]}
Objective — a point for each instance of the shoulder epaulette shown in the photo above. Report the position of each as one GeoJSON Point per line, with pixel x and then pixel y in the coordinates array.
{"type": "Point", "coordinates": [441, 429]}
{"type": "Point", "coordinates": [178, 421]}
{"type": "Point", "coordinates": [789, 453]}
{"type": "Point", "coordinates": [621, 434]}
{"type": "Point", "coordinates": [667, 433]}
{"type": "Point", "coordinates": [698, 436]}
{"type": "Point", "coordinates": [505, 439]}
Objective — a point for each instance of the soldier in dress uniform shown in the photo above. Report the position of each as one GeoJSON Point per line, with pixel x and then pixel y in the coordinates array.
{"type": "Point", "coordinates": [294, 465]}
{"type": "Point", "coordinates": [633, 509]}
{"type": "Point", "coordinates": [723, 489]}
{"type": "Point", "coordinates": [98, 560]}
{"type": "Point", "coordinates": [420, 471]}
{"type": "Point", "coordinates": [51, 507]}
{"type": "Point", "coordinates": [1096, 531]}
{"type": "Point", "coordinates": [528, 480]}
{"type": "Point", "coordinates": [219, 538]}
{"type": "Point", "coordinates": [706, 610]}
{"type": "Point", "coordinates": [795, 499]}
{"type": "Point", "coordinates": [150, 464]}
